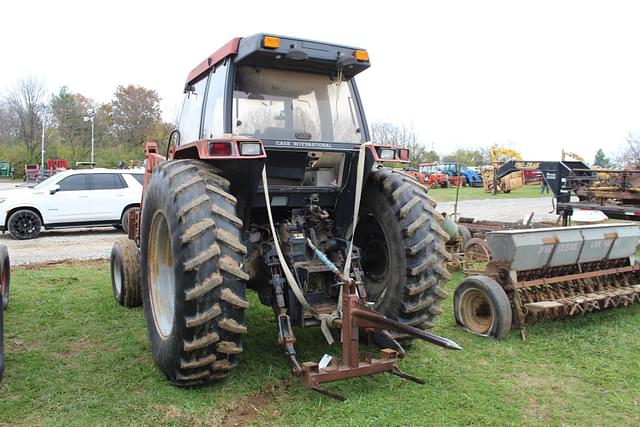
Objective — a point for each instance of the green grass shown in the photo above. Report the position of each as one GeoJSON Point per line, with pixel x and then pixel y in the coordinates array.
{"type": "Point", "coordinates": [475, 193]}
{"type": "Point", "coordinates": [76, 358]}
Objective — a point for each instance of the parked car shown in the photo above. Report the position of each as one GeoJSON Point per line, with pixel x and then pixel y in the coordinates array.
{"type": "Point", "coordinates": [83, 197]}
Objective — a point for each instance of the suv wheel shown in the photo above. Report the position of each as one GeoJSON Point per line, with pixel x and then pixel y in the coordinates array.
{"type": "Point", "coordinates": [24, 224]}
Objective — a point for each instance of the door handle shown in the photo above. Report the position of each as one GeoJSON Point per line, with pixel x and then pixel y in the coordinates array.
{"type": "Point", "coordinates": [83, 197]}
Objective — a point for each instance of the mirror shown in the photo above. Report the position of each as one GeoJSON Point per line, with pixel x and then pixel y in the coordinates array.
{"type": "Point", "coordinates": [54, 189]}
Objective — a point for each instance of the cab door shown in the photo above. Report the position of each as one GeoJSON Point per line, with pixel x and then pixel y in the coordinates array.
{"type": "Point", "coordinates": [71, 202]}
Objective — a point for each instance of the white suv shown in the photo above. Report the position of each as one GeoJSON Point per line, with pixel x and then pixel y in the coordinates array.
{"type": "Point", "coordinates": [84, 197]}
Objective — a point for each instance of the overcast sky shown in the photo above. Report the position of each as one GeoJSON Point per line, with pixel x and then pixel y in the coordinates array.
{"type": "Point", "coordinates": [538, 75]}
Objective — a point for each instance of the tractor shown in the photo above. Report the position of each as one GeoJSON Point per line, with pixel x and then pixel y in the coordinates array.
{"type": "Point", "coordinates": [270, 182]}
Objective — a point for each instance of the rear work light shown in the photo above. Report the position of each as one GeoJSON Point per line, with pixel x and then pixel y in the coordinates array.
{"type": "Point", "coordinates": [387, 153]}
{"type": "Point", "coordinates": [250, 149]}
{"type": "Point", "coordinates": [219, 149]}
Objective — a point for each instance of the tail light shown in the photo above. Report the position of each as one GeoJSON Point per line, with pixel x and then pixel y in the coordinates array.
{"type": "Point", "coordinates": [219, 149]}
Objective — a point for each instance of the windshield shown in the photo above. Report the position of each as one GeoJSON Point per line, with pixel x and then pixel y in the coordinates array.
{"type": "Point", "coordinates": [294, 105]}
{"type": "Point", "coordinates": [46, 182]}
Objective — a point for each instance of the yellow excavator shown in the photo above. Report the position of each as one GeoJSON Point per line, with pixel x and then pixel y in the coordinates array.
{"type": "Point", "coordinates": [513, 181]}
{"type": "Point", "coordinates": [568, 155]}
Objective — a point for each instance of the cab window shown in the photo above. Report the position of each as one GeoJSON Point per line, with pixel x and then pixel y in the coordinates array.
{"type": "Point", "coordinates": [191, 114]}
{"type": "Point", "coordinates": [213, 125]}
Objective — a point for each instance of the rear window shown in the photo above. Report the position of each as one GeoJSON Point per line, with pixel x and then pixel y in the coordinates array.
{"type": "Point", "coordinates": [139, 177]}
{"type": "Point", "coordinates": [106, 181]}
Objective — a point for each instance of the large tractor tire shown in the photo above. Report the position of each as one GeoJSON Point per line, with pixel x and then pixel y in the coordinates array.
{"type": "Point", "coordinates": [125, 273]}
{"type": "Point", "coordinates": [5, 277]}
{"type": "Point", "coordinates": [193, 287]}
{"type": "Point", "coordinates": [403, 250]}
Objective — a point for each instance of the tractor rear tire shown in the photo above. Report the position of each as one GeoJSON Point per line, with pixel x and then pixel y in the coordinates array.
{"type": "Point", "coordinates": [5, 277]}
{"type": "Point", "coordinates": [193, 286]}
{"type": "Point", "coordinates": [125, 273]}
{"type": "Point", "coordinates": [403, 253]}
{"type": "Point", "coordinates": [482, 307]}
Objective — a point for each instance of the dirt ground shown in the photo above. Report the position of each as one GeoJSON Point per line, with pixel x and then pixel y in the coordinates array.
{"type": "Point", "coordinates": [95, 243]}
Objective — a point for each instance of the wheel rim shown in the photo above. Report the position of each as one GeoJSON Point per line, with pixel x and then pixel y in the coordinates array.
{"type": "Point", "coordinates": [117, 275]}
{"type": "Point", "coordinates": [161, 275]}
{"type": "Point", "coordinates": [374, 258]}
{"type": "Point", "coordinates": [25, 224]}
{"type": "Point", "coordinates": [476, 311]}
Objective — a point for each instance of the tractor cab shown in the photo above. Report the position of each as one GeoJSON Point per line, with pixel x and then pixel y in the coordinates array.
{"type": "Point", "coordinates": [293, 102]}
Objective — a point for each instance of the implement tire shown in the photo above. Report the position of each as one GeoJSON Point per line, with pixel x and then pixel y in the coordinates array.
{"type": "Point", "coordinates": [125, 273]}
{"type": "Point", "coordinates": [482, 307]}
{"type": "Point", "coordinates": [403, 253]}
{"type": "Point", "coordinates": [193, 287]}
{"type": "Point", "coordinates": [5, 277]}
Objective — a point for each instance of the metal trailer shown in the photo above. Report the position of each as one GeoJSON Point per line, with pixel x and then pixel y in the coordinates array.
{"type": "Point", "coordinates": [551, 273]}
{"type": "Point", "coordinates": [616, 193]}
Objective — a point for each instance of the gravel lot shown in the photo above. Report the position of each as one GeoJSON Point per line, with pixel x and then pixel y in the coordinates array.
{"type": "Point", "coordinates": [503, 210]}
{"type": "Point", "coordinates": [95, 243]}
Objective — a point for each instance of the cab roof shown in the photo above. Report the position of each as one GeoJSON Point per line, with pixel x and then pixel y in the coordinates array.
{"type": "Point", "coordinates": [288, 53]}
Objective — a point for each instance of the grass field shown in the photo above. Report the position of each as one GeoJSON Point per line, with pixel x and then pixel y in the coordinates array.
{"type": "Point", "coordinates": [475, 193]}
{"type": "Point", "coordinates": [76, 358]}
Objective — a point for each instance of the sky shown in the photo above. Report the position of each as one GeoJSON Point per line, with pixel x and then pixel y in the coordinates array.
{"type": "Point", "coordinates": [537, 76]}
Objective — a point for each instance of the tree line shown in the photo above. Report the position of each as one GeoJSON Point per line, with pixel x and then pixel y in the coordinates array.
{"type": "Point", "coordinates": [133, 116]}
{"type": "Point", "coordinates": [122, 125]}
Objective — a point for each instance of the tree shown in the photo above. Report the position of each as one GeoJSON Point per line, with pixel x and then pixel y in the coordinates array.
{"type": "Point", "coordinates": [601, 160]}
{"type": "Point", "coordinates": [24, 106]}
{"type": "Point", "coordinates": [467, 157]}
{"type": "Point", "coordinates": [69, 110]}
{"type": "Point", "coordinates": [405, 137]}
{"type": "Point", "coordinates": [134, 115]}
{"type": "Point", "coordinates": [631, 156]}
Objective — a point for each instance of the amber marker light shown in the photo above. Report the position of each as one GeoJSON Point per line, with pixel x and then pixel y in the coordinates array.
{"type": "Point", "coordinates": [271, 42]}
{"type": "Point", "coordinates": [361, 55]}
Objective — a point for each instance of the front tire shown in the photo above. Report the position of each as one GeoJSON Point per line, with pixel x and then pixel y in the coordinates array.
{"type": "Point", "coordinates": [193, 287]}
{"type": "Point", "coordinates": [5, 276]}
{"type": "Point", "coordinates": [125, 273]}
{"type": "Point", "coordinates": [24, 224]}
{"type": "Point", "coordinates": [403, 249]}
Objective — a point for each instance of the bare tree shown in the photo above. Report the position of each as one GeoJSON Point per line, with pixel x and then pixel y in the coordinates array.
{"type": "Point", "coordinates": [25, 104]}
{"type": "Point", "coordinates": [631, 156]}
{"type": "Point", "coordinates": [403, 136]}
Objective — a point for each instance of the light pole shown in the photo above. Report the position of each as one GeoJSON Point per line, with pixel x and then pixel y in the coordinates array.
{"type": "Point", "coordinates": [45, 116]}
{"type": "Point", "coordinates": [90, 117]}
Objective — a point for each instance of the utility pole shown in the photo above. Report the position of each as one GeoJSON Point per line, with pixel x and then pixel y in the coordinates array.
{"type": "Point", "coordinates": [44, 123]}
{"type": "Point", "coordinates": [90, 117]}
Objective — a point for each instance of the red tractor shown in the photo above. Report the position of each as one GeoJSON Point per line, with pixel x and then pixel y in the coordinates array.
{"type": "Point", "coordinates": [270, 183]}
{"type": "Point", "coordinates": [434, 175]}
